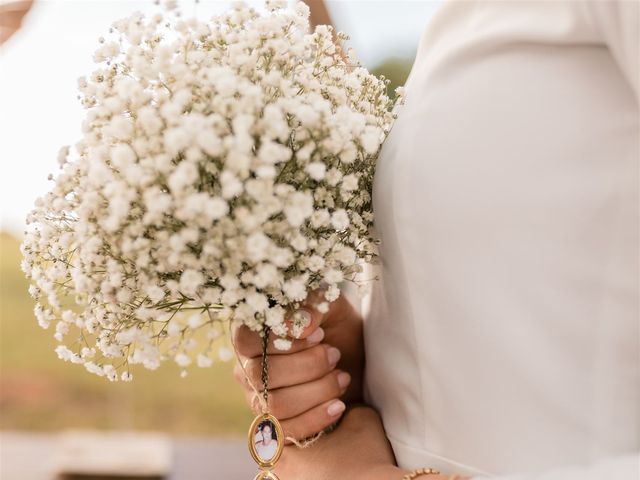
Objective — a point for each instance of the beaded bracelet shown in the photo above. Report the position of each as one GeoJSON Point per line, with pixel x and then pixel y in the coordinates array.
{"type": "Point", "coordinates": [420, 471]}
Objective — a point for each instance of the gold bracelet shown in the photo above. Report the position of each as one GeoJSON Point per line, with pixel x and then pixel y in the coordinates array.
{"type": "Point", "coordinates": [420, 471]}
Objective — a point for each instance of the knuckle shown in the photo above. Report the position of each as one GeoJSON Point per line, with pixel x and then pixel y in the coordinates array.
{"type": "Point", "coordinates": [241, 342]}
{"type": "Point", "coordinates": [320, 359]}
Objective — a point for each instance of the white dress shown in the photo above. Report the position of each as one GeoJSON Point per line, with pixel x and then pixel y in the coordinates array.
{"type": "Point", "coordinates": [503, 338]}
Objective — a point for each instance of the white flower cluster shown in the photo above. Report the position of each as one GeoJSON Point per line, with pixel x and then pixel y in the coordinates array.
{"type": "Point", "coordinates": [225, 170]}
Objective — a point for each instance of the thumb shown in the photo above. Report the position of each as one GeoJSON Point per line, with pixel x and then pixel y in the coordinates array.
{"type": "Point", "coordinates": [304, 321]}
{"type": "Point", "coordinates": [308, 318]}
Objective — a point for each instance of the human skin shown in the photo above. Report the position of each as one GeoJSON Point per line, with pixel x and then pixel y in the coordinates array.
{"type": "Point", "coordinates": [357, 449]}
{"type": "Point", "coordinates": [303, 381]}
{"type": "Point", "coordinates": [11, 15]}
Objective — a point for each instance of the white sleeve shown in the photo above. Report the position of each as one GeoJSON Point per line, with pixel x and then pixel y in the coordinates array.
{"type": "Point", "coordinates": [611, 468]}
{"type": "Point", "coordinates": [618, 23]}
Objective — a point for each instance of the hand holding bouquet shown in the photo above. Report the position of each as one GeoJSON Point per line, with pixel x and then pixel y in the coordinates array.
{"type": "Point", "coordinates": [313, 381]}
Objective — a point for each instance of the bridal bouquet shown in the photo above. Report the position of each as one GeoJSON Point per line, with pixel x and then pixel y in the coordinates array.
{"type": "Point", "coordinates": [225, 170]}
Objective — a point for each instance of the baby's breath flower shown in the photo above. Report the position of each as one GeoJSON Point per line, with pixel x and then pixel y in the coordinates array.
{"type": "Point", "coordinates": [182, 359]}
{"type": "Point", "coordinates": [282, 344]}
{"type": "Point", "coordinates": [225, 354]}
{"type": "Point", "coordinates": [225, 170]}
{"type": "Point", "coordinates": [204, 361]}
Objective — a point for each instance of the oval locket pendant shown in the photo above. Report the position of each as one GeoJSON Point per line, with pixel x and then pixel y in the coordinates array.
{"type": "Point", "coordinates": [266, 442]}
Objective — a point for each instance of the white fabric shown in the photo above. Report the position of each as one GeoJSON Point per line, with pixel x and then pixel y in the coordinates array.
{"type": "Point", "coordinates": [503, 336]}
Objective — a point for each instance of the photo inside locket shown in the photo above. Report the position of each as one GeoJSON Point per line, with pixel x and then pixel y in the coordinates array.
{"type": "Point", "coordinates": [266, 441]}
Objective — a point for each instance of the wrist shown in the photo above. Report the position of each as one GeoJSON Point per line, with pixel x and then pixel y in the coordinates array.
{"type": "Point", "coordinates": [384, 472]}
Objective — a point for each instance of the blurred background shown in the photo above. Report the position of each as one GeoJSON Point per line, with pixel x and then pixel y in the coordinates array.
{"type": "Point", "coordinates": [39, 112]}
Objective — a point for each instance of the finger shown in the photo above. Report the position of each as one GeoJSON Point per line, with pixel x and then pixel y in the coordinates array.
{"type": "Point", "coordinates": [249, 343]}
{"type": "Point", "coordinates": [303, 322]}
{"type": "Point", "coordinates": [300, 367]}
{"type": "Point", "coordinates": [306, 319]}
{"type": "Point", "coordinates": [289, 402]}
{"type": "Point", "coordinates": [312, 421]}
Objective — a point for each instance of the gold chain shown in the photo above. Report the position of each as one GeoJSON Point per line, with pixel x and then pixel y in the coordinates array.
{"type": "Point", "coordinates": [265, 366]}
{"type": "Point", "coordinates": [420, 471]}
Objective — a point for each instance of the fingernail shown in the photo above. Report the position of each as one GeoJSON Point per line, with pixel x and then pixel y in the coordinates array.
{"type": "Point", "coordinates": [344, 379]}
{"type": "Point", "coordinates": [333, 354]}
{"type": "Point", "coordinates": [316, 336]}
{"type": "Point", "coordinates": [302, 316]}
{"type": "Point", "coordinates": [335, 408]}
{"type": "Point", "coordinates": [301, 319]}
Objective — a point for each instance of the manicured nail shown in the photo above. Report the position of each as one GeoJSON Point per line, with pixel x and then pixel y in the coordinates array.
{"type": "Point", "coordinates": [316, 336]}
{"type": "Point", "coordinates": [301, 319]}
{"type": "Point", "coordinates": [333, 354]}
{"type": "Point", "coordinates": [302, 316]}
{"type": "Point", "coordinates": [335, 408]}
{"type": "Point", "coordinates": [344, 379]}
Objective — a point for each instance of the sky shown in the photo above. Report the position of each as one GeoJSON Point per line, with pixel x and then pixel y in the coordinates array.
{"type": "Point", "coordinates": [40, 65]}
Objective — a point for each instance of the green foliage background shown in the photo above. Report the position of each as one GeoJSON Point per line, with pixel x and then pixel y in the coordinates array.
{"type": "Point", "coordinates": [396, 69]}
